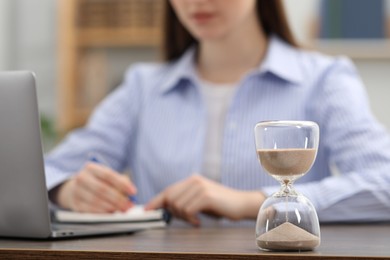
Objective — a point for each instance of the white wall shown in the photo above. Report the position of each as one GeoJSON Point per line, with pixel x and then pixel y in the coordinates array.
{"type": "Point", "coordinates": [301, 15]}
{"type": "Point", "coordinates": [34, 46]}
{"type": "Point", "coordinates": [5, 32]}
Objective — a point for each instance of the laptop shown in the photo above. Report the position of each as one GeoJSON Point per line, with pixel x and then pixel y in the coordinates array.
{"type": "Point", "coordinates": [24, 204]}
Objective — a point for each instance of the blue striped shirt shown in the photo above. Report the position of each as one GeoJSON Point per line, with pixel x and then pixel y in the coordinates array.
{"type": "Point", "coordinates": [154, 124]}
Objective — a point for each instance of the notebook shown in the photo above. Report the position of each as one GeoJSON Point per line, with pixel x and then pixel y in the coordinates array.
{"type": "Point", "coordinates": [134, 214]}
{"type": "Point", "coordinates": [24, 207]}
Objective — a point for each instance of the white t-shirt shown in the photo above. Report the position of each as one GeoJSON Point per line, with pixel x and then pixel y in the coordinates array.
{"type": "Point", "coordinates": [217, 98]}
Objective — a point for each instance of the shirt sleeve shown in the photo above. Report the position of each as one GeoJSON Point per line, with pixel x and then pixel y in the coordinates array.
{"type": "Point", "coordinates": [357, 148]}
{"type": "Point", "coordinates": [107, 133]}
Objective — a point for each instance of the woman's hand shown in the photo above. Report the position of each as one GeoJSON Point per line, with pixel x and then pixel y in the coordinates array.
{"type": "Point", "coordinates": [187, 198]}
{"type": "Point", "coordinates": [96, 189]}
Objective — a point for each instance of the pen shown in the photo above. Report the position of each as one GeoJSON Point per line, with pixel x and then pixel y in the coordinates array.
{"type": "Point", "coordinates": [98, 159]}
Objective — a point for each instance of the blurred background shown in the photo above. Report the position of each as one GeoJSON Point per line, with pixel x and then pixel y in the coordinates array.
{"type": "Point", "coordinates": [79, 49]}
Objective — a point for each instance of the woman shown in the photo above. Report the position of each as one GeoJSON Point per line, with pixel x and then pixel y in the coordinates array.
{"type": "Point", "coordinates": [184, 128]}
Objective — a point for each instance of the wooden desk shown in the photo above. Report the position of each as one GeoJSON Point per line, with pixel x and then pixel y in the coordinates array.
{"type": "Point", "coordinates": [338, 242]}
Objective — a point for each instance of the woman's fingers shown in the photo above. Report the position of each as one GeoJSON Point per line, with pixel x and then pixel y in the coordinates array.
{"type": "Point", "coordinates": [188, 204]}
{"type": "Point", "coordinates": [84, 201]}
{"type": "Point", "coordinates": [120, 182]}
{"type": "Point", "coordinates": [97, 188]}
{"type": "Point", "coordinates": [96, 191]}
{"type": "Point", "coordinates": [184, 199]}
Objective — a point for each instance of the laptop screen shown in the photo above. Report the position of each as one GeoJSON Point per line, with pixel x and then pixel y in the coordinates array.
{"type": "Point", "coordinates": [23, 197]}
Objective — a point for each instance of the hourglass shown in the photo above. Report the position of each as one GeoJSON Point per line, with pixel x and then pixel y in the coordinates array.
{"type": "Point", "coordinates": [287, 220]}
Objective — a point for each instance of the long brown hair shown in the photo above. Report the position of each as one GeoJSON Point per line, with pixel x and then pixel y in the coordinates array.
{"type": "Point", "coordinates": [177, 39]}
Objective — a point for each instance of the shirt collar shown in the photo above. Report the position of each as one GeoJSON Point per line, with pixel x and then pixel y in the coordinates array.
{"type": "Point", "coordinates": [182, 69]}
{"type": "Point", "coordinates": [282, 60]}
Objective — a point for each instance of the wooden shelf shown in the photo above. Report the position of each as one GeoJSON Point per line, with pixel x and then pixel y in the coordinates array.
{"type": "Point", "coordinates": [118, 37]}
{"type": "Point", "coordinates": [86, 28]}
{"type": "Point", "coordinates": [355, 48]}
